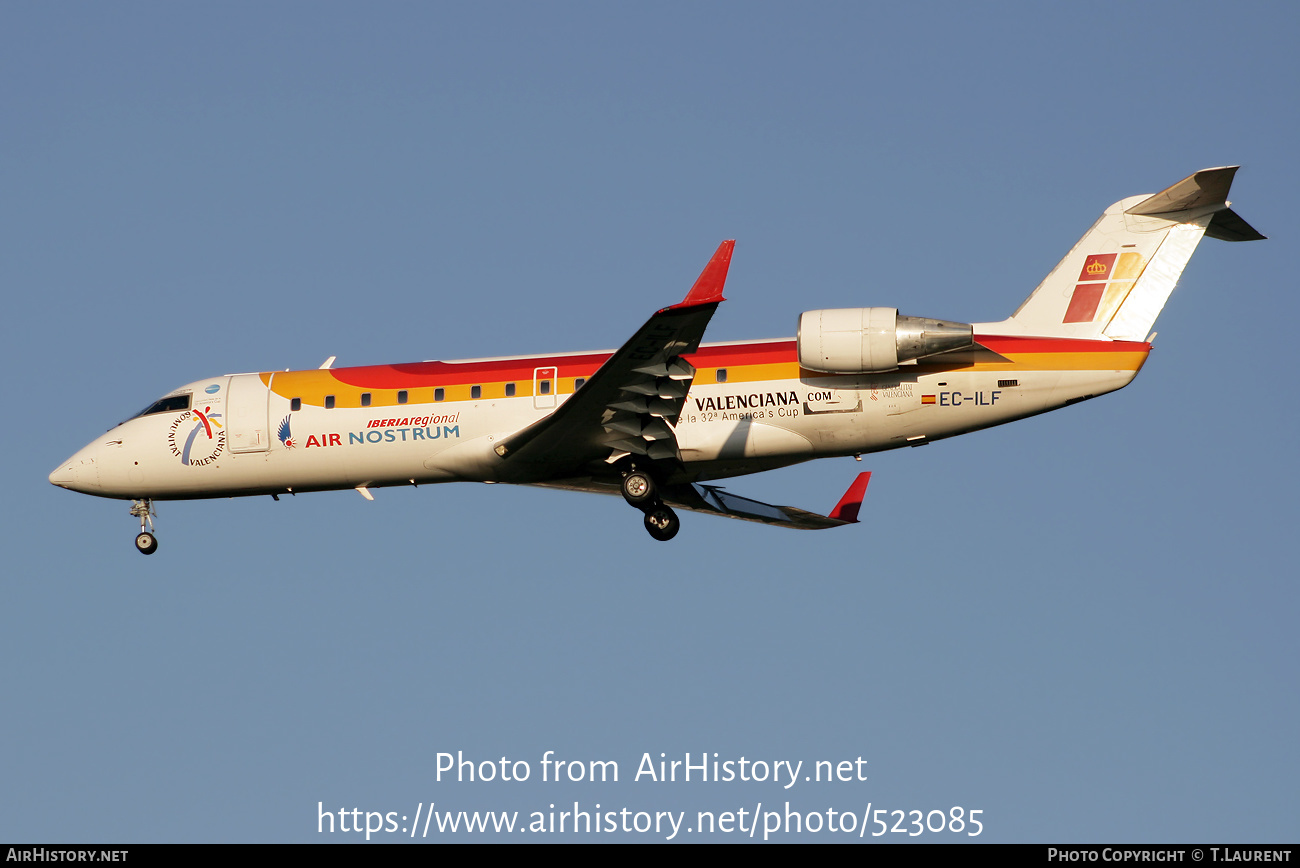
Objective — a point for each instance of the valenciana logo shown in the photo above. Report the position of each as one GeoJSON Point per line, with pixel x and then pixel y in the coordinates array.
{"type": "Point", "coordinates": [203, 443]}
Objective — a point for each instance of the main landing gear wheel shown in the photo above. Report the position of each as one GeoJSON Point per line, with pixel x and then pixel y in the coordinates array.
{"type": "Point", "coordinates": [662, 523]}
{"type": "Point", "coordinates": [638, 488]}
{"type": "Point", "coordinates": [146, 543]}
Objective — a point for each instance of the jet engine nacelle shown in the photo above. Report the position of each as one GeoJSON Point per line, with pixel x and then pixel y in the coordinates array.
{"type": "Point", "coordinates": [863, 340]}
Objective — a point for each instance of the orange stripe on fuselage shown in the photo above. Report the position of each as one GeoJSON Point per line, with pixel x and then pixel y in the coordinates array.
{"type": "Point", "coordinates": [744, 363]}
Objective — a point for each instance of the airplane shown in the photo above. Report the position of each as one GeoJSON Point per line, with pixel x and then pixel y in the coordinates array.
{"type": "Point", "coordinates": [664, 416]}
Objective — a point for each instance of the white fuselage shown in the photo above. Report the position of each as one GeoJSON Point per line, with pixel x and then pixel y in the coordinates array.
{"type": "Point", "coordinates": [766, 412]}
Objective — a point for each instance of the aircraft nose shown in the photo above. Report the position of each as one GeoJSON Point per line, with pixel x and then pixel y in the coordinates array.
{"type": "Point", "coordinates": [79, 473]}
{"type": "Point", "coordinates": [64, 475]}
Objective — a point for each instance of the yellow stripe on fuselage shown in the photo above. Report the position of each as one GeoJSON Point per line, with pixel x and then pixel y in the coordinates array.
{"type": "Point", "coordinates": [312, 387]}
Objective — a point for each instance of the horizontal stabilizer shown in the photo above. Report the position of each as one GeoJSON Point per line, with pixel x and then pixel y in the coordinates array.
{"type": "Point", "coordinates": [1116, 280]}
{"type": "Point", "coordinates": [1227, 226]}
{"type": "Point", "coordinates": [1206, 187]}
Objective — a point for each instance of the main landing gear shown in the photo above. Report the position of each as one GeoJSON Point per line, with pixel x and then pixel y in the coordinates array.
{"type": "Point", "coordinates": [639, 490]}
{"type": "Point", "coordinates": [662, 523]}
{"type": "Point", "coordinates": [145, 542]}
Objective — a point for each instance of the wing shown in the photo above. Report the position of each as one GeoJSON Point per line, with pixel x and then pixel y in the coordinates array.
{"type": "Point", "coordinates": [712, 498]}
{"type": "Point", "coordinates": [717, 501]}
{"type": "Point", "coordinates": [629, 405]}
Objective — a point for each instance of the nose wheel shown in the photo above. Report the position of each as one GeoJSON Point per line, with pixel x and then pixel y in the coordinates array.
{"type": "Point", "coordinates": [145, 542]}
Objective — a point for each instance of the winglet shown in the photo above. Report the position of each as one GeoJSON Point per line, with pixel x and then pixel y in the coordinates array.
{"type": "Point", "coordinates": [708, 288]}
{"type": "Point", "coordinates": [847, 509]}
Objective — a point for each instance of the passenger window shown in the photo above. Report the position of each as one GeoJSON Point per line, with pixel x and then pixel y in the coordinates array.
{"type": "Point", "coordinates": [295, 405]}
{"type": "Point", "coordinates": [476, 392]}
{"type": "Point", "coordinates": [546, 387]}
{"type": "Point", "coordinates": [722, 375]}
{"type": "Point", "coordinates": [401, 397]}
{"type": "Point", "coordinates": [329, 402]}
{"type": "Point", "coordinates": [365, 399]}
{"type": "Point", "coordinates": [510, 390]}
{"type": "Point", "coordinates": [577, 384]}
{"type": "Point", "coordinates": [439, 394]}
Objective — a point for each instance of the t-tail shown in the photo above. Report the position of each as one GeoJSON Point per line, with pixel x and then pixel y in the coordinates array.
{"type": "Point", "coordinates": [1116, 280]}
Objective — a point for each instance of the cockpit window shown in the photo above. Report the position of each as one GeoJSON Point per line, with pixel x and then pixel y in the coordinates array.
{"type": "Point", "coordinates": [174, 404]}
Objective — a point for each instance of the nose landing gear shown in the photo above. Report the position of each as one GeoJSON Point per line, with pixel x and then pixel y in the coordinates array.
{"type": "Point", "coordinates": [640, 491]}
{"type": "Point", "coordinates": [145, 542]}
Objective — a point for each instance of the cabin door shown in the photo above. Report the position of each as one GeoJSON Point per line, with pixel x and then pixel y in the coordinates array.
{"type": "Point", "coordinates": [545, 383]}
{"type": "Point", "coordinates": [246, 408]}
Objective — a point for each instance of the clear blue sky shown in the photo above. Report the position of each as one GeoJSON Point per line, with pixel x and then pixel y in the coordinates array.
{"type": "Point", "coordinates": [1082, 624]}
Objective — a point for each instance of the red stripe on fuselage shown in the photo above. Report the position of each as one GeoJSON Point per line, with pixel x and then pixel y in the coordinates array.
{"type": "Point", "coordinates": [770, 353]}
{"type": "Point", "coordinates": [416, 375]}
{"type": "Point", "coordinates": [1018, 344]}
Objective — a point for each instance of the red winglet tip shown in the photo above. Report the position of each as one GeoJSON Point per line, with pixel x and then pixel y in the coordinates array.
{"type": "Point", "coordinates": [847, 509]}
{"type": "Point", "coordinates": [708, 287]}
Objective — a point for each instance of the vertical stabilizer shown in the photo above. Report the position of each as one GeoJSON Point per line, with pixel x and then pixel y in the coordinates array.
{"type": "Point", "coordinates": [1116, 280]}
